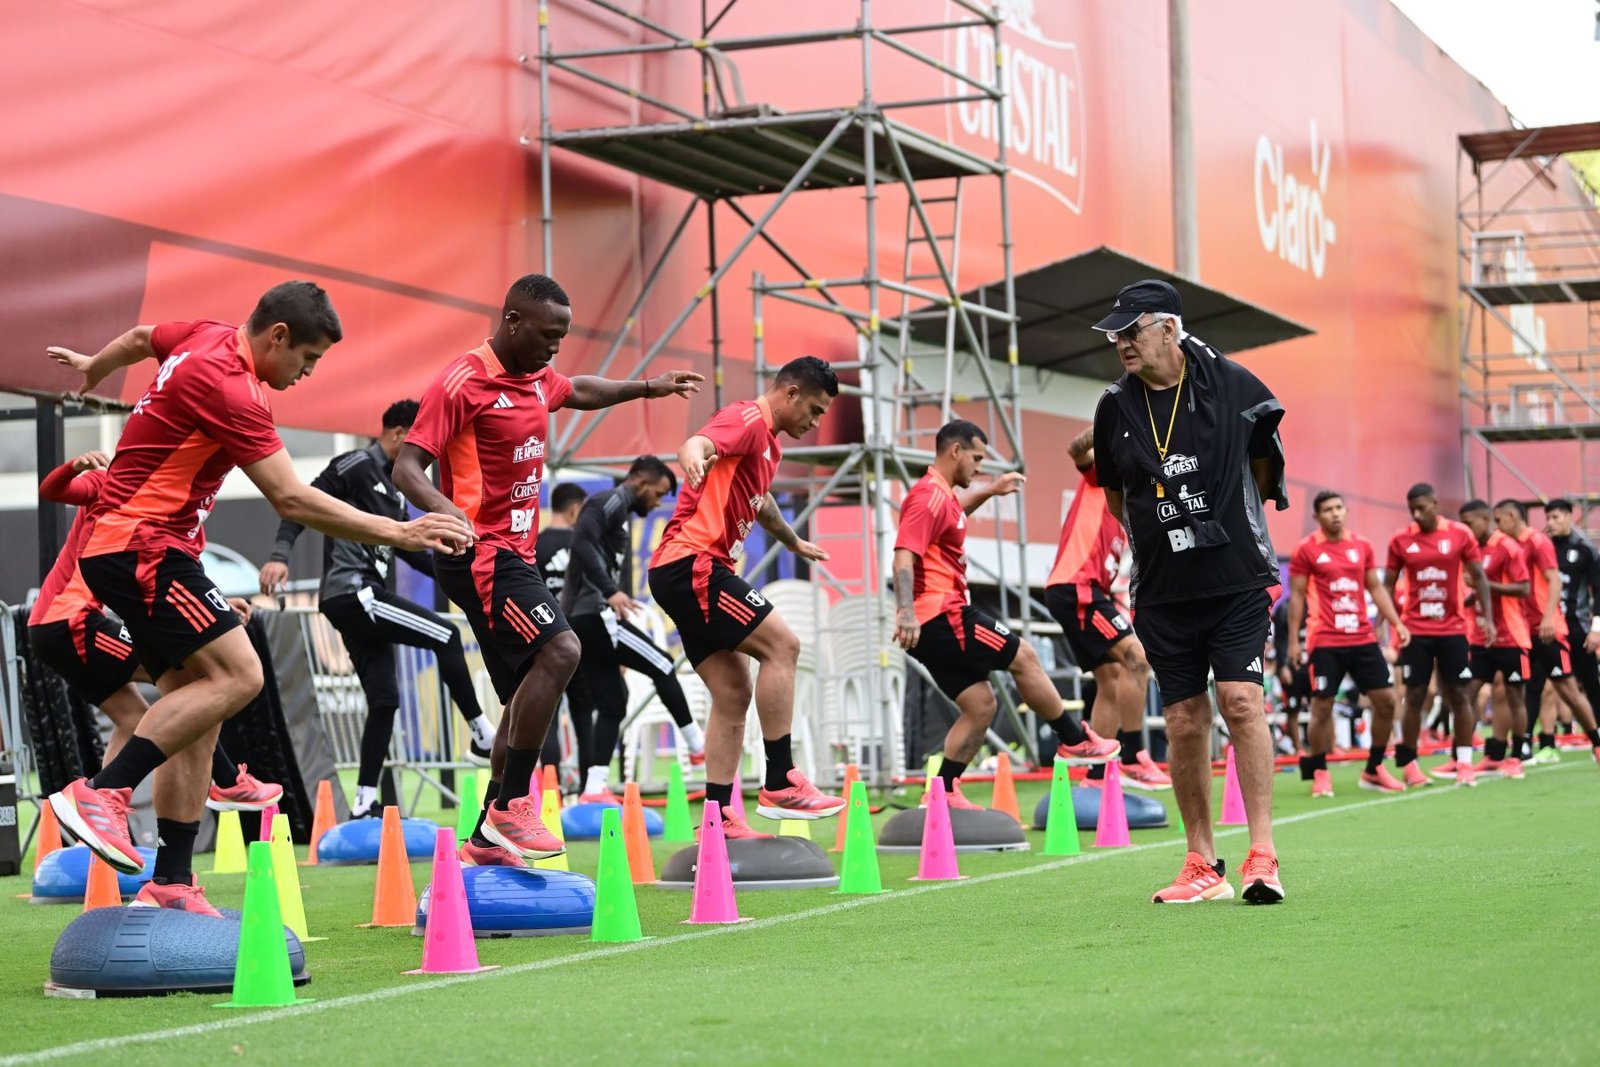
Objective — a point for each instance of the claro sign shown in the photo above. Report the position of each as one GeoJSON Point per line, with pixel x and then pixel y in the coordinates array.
{"type": "Point", "coordinates": [1292, 203]}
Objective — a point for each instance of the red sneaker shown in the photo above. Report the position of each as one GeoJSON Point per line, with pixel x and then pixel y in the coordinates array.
{"type": "Point", "coordinates": [697, 759]}
{"type": "Point", "coordinates": [519, 830]}
{"type": "Point", "coordinates": [1597, 753]}
{"type": "Point", "coordinates": [1511, 767]}
{"type": "Point", "coordinates": [1092, 749]}
{"type": "Point", "coordinates": [1144, 774]}
{"type": "Point", "coordinates": [1465, 775]}
{"type": "Point", "coordinates": [955, 798]}
{"type": "Point", "coordinates": [1321, 784]}
{"type": "Point", "coordinates": [488, 856]}
{"type": "Point", "coordinates": [1259, 874]}
{"type": "Point", "coordinates": [1489, 767]}
{"type": "Point", "coordinates": [801, 800]}
{"type": "Point", "coordinates": [1414, 777]}
{"type": "Point", "coordinates": [176, 896]}
{"type": "Point", "coordinates": [736, 829]}
{"type": "Point", "coordinates": [1381, 781]}
{"type": "Point", "coordinates": [1198, 881]}
{"type": "Point", "coordinates": [249, 793]}
{"type": "Point", "coordinates": [602, 796]}
{"type": "Point", "coordinates": [99, 818]}
{"type": "Point", "coordinates": [1446, 771]}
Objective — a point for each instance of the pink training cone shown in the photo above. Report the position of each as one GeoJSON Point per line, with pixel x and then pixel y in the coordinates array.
{"type": "Point", "coordinates": [268, 813]}
{"type": "Point", "coordinates": [1232, 799]}
{"type": "Point", "coordinates": [713, 880]}
{"type": "Point", "coordinates": [938, 862]}
{"type": "Point", "coordinates": [1111, 829]}
{"type": "Point", "coordinates": [447, 945]}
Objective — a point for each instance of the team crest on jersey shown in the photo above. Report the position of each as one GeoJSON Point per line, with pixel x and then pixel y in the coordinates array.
{"type": "Point", "coordinates": [532, 448]}
{"type": "Point", "coordinates": [1444, 547]}
{"type": "Point", "coordinates": [1352, 555]}
{"type": "Point", "coordinates": [218, 601]}
{"type": "Point", "coordinates": [756, 599]}
{"type": "Point", "coordinates": [1000, 628]}
{"type": "Point", "coordinates": [538, 391]}
{"type": "Point", "coordinates": [543, 615]}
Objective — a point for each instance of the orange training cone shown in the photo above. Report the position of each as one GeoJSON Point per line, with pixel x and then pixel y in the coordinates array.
{"type": "Point", "coordinates": [636, 835]}
{"type": "Point", "coordinates": [49, 835]}
{"type": "Point", "coordinates": [394, 899]}
{"type": "Point", "coordinates": [322, 821]}
{"type": "Point", "coordinates": [1005, 787]}
{"type": "Point", "coordinates": [1232, 798]}
{"type": "Point", "coordinates": [103, 890]}
{"type": "Point", "coordinates": [851, 776]}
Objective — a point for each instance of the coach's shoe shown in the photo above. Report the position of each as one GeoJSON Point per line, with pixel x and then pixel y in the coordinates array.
{"type": "Point", "coordinates": [1091, 750]}
{"type": "Point", "coordinates": [1144, 774]}
{"type": "Point", "coordinates": [475, 855]}
{"type": "Point", "coordinates": [1381, 781]}
{"type": "Point", "coordinates": [98, 818]}
{"type": "Point", "coordinates": [249, 793]}
{"type": "Point", "coordinates": [601, 796]}
{"type": "Point", "coordinates": [736, 829]}
{"type": "Point", "coordinates": [519, 830]}
{"type": "Point", "coordinates": [175, 896]}
{"type": "Point", "coordinates": [1511, 767]}
{"type": "Point", "coordinates": [1198, 881]}
{"type": "Point", "coordinates": [1446, 771]}
{"type": "Point", "coordinates": [801, 800]}
{"type": "Point", "coordinates": [1414, 777]}
{"type": "Point", "coordinates": [1259, 876]}
{"type": "Point", "coordinates": [1465, 775]}
{"type": "Point", "coordinates": [478, 754]}
{"type": "Point", "coordinates": [1321, 784]}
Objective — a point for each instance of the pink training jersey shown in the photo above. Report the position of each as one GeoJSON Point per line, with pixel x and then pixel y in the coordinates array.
{"type": "Point", "coordinates": [934, 526]}
{"type": "Point", "coordinates": [714, 519]}
{"type": "Point", "coordinates": [1432, 566]}
{"type": "Point", "coordinates": [1092, 542]}
{"type": "Point", "coordinates": [1336, 582]}
{"type": "Point", "coordinates": [63, 596]}
{"type": "Point", "coordinates": [1502, 562]}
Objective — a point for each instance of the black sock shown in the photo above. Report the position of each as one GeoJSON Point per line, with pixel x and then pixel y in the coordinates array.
{"type": "Point", "coordinates": [780, 761]}
{"type": "Point", "coordinates": [1308, 764]}
{"type": "Point", "coordinates": [1068, 729]}
{"type": "Point", "coordinates": [223, 772]}
{"type": "Point", "coordinates": [1375, 760]}
{"type": "Point", "coordinates": [720, 793]}
{"type": "Point", "coordinates": [1545, 741]}
{"type": "Point", "coordinates": [950, 770]}
{"type": "Point", "coordinates": [1097, 772]}
{"type": "Point", "coordinates": [1132, 744]}
{"type": "Point", "coordinates": [490, 794]}
{"type": "Point", "coordinates": [1319, 762]}
{"type": "Point", "coordinates": [517, 777]}
{"type": "Point", "coordinates": [1594, 738]}
{"type": "Point", "coordinates": [1494, 748]}
{"type": "Point", "coordinates": [1404, 754]}
{"type": "Point", "coordinates": [138, 758]}
{"type": "Point", "coordinates": [175, 852]}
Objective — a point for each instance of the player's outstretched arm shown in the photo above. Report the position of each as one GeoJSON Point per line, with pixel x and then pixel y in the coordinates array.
{"type": "Point", "coordinates": [294, 499]}
{"type": "Point", "coordinates": [906, 628]}
{"type": "Point", "coordinates": [589, 392]}
{"type": "Point", "coordinates": [62, 486]}
{"type": "Point", "coordinates": [125, 351]}
{"type": "Point", "coordinates": [1082, 449]}
{"type": "Point", "coordinates": [1008, 483]}
{"type": "Point", "coordinates": [772, 521]}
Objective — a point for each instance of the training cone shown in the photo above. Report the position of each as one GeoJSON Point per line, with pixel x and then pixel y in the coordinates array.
{"type": "Point", "coordinates": [636, 836]}
{"type": "Point", "coordinates": [1061, 827]}
{"type": "Point", "coordinates": [938, 862]}
{"type": "Point", "coordinates": [102, 890]}
{"type": "Point", "coordinates": [858, 867]}
{"type": "Point", "coordinates": [322, 821]}
{"type": "Point", "coordinates": [447, 945]}
{"type": "Point", "coordinates": [736, 805]}
{"type": "Point", "coordinates": [616, 912]}
{"type": "Point", "coordinates": [713, 881]}
{"type": "Point", "coordinates": [228, 856]}
{"type": "Point", "coordinates": [468, 806]}
{"type": "Point", "coordinates": [550, 815]}
{"type": "Point", "coordinates": [291, 907]}
{"type": "Point", "coordinates": [1232, 799]}
{"type": "Point", "coordinates": [261, 975]}
{"type": "Point", "coordinates": [268, 813]}
{"type": "Point", "coordinates": [931, 771]}
{"type": "Point", "coordinates": [1005, 787]}
{"type": "Point", "coordinates": [394, 898]}
{"type": "Point", "coordinates": [800, 828]}
{"type": "Point", "coordinates": [1111, 829]}
{"type": "Point", "coordinates": [675, 823]}
{"type": "Point", "coordinates": [841, 837]}
{"type": "Point", "coordinates": [49, 835]}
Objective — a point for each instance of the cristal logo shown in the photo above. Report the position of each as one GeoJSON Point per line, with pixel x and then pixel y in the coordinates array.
{"type": "Point", "coordinates": [1291, 211]}
{"type": "Point", "coordinates": [1044, 98]}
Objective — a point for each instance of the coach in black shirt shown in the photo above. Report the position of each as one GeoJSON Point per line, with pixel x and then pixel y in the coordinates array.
{"type": "Point", "coordinates": [1186, 446]}
{"type": "Point", "coordinates": [1579, 562]}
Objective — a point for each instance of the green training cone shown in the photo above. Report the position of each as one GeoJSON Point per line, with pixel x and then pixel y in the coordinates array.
{"type": "Point", "coordinates": [616, 912]}
{"type": "Point", "coordinates": [1061, 827]}
{"type": "Point", "coordinates": [858, 869]}
{"type": "Point", "coordinates": [677, 824]}
{"type": "Point", "coordinates": [468, 806]}
{"type": "Point", "coordinates": [261, 976]}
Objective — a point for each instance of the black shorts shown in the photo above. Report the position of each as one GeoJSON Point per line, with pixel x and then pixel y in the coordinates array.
{"type": "Point", "coordinates": [93, 655]}
{"type": "Point", "coordinates": [1091, 628]}
{"type": "Point", "coordinates": [1447, 651]}
{"type": "Point", "coordinates": [1222, 636]}
{"type": "Point", "coordinates": [1364, 664]}
{"type": "Point", "coordinates": [714, 608]}
{"type": "Point", "coordinates": [1510, 663]}
{"type": "Point", "coordinates": [372, 622]}
{"type": "Point", "coordinates": [960, 661]}
{"type": "Point", "coordinates": [1300, 690]}
{"type": "Point", "coordinates": [1549, 659]}
{"type": "Point", "coordinates": [511, 612]}
{"type": "Point", "coordinates": [170, 607]}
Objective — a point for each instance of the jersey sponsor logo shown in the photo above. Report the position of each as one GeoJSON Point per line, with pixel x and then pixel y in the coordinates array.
{"type": "Point", "coordinates": [1177, 464]}
{"type": "Point", "coordinates": [532, 448]}
{"type": "Point", "coordinates": [502, 401]}
{"type": "Point", "coordinates": [1343, 585]}
{"type": "Point", "coordinates": [527, 489]}
{"type": "Point", "coordinates": [522, 520]}
{"type": "Point", "coordinates": [1291, 210]}
{"type": "Point", "coordinates": [1181, 539]}
{"type": "Point", "coordinates": [1432, 574]}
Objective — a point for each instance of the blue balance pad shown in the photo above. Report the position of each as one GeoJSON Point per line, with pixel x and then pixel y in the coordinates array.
{"type": "Point", "coordinates": [581, 822]}
{"type": "Point", "coordinates": [1144, 813]}
{"type": "Point", "coordinates": [356, 841]}
{"type": "Point", "coordinates": [64, 874]}
{"type": "Point", "coordinates": [521, 902]}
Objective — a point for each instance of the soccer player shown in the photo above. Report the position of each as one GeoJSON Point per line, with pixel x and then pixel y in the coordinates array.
{"type": "Point", "coordinates": [205, 414]}
{"type": "Point", "coordinates": [1078, 594]}
{"type": "Point", "coordinates": [1551, 659]}
{"type": "Point", "coordinates": [553, 551]}
{"type": "Point", "coordinates": [1503, 664]}
{"type": "Point", "coordinates": [958, 643]}
{"type": "Point", "coordinates": [1327, 573]}
{"type": "Point", "coordinates": [1579, 562]}
{"type": "Point", "coordinates": [728, 468]}
{"type": "Point", "coordinates": [357, 599]}
{"type": "Point", "coordinates": [1294, 677]}
{"type": "Point", "coordinates": [485, 420]}
{"type": "Point", "coordinates": [1437, 558]}
{"type": "Point", "coordinates": [598, 610]}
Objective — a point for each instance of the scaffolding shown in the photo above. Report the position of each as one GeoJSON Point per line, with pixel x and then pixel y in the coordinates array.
{"type": "Point", "coordinates": [731, 150]}
{"type": "Point", "coordinates": [1528, 243]}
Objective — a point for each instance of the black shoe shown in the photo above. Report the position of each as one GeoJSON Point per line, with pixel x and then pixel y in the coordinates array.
{"type": "Point", "coordinates": [478, 754]}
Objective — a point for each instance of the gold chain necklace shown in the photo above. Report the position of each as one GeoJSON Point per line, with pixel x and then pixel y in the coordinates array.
{"type": "Point", "coordinates": [1162, 444]}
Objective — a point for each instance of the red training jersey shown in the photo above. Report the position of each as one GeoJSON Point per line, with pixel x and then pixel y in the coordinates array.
{"type": "Point", "coordinates": [1092, 542]}
{"type": "Point", "coordinates": [1432, 565]}
{"type": "Point", "coordinates": [205, 414]}
{"type": "Point", "coordinates": [487, 428]}
{"type": "Point", "coordinates": [1539, 554]}
{"type": "Point", "coordinates": [63, 596]}
{"type": "Point", "coordinates": [1336, 582]}
{"type": "Point", "coordinates": [1502, 562]}
{"type": "Point", "coordinates": [714, 519]}
{"type": "Point", "coordinates": [934, 526]}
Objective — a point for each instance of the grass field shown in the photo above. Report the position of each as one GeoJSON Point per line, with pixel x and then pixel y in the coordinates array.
{"type": "Point", "coordinates": [1445, 925]}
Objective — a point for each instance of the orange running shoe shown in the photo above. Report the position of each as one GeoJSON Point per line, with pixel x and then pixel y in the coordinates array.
{"type": "Point", "coordinates": [99, 818]}
{"type": "Point", "coordinates": [1144, 774]}
{"type": "Point", "coordinates": [1381, 781]}
{"type": "Point", "coordinates": [519, 829]}
{"type": "Point", "coordinates": [601, 796]}
{"type": "Point", "coordinates": [1091, 750]}
{"type": "Point", "coordinates": [1414, 777]}
{"type": "Point", "coordinates": [1446, 771]}
{"type": "Point", "coordinates": [1259, 875]}
{"type": "Point", "coordinates": [1489, 767]}
{"type": "Point", "coordinates": [1198, 881]}
{"type": "Point", "coordinates": [736, 829]}
{"type": "Point", "coordinates": [249, 793]}
{"type": "Point", "coordinates": [1465, 775]}
{"type": "Point", "coordinates": [177, 897]}
{"type": "Point", "coordinates": [488, 856]}
{"type": "Point", "coordinates": [801, 800]}
{"type": "Point", "coordinates": [1511, 767]}
{"type": "Point", "coordinates": [1321, 784]}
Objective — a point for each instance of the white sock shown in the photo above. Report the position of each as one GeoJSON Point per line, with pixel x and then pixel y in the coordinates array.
{"type": "Point", "coordinates": [694, 737]}
{"type": "Point", "coordinates": [596, 782]}
{"type": "Point", "coordinates": [1464, 755]}
{"type": "Point", "coordinates": [366, 796]}
{"type": "Point", "coordinates": [482, 731]}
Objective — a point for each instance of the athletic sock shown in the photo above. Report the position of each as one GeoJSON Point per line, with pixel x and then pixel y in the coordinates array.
{"type": "Point", "coordinates": [1525, 746]}
{"type": "Point", "coordinates": [1308, 764]}
{"type": "Point", "coordinates": [516, 781]}
{"type": "Point", "coordinates": [366, 796]}
{"type": "Point", "coordinates": [597, 782]}
{"type": "Point", "coordinates": [1068, 729]}
{"type": "Point", "coordinates": [482, 730]}
{"type": "Point", "coordinates": [175, 851]}
{"type": "Point", "coordinates": [1319, 762]}
{"type": "Point", "coordinates": [1545, 741]}
{"type": "Point", "coordinates": [1097, 772]}
{"type": "Point", "coordinates": [950, 770]}
{"type": "Point", "coordinates": [1464, 755]}
{"type": "Point", "coordinates": [1594, 738]}
{"type": "Point", "coordinates": [137, 760]}
{"type": "Point", "coordinates": [780, 761]}
{"type": "Point", "coordinates": [693, 736]}
{"type": "Point", "coordinates": [1375, 760]}
{"type": "Point", "coordinates": [722, 794]}
{"type": "Point", "coordinates": [223, 773]}
{"type": "Point", "coordinates": [1403, 755]}
{"type": "Point", "coordinates": [1494, 749]}
{"type": "Point", "coordinates": [493, 790]}
{"type": "Point", "coordinates": [1132, 744]}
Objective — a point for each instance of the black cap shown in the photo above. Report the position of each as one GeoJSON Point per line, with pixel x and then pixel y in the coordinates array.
{"type": "Point", "coordinates": [1140, 298]}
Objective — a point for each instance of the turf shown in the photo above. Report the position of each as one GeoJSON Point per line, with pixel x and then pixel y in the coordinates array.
{"type": "Point", "coordinates": [1443, 926]}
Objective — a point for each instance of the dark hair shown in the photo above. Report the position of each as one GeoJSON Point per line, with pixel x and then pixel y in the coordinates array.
{"type": "Point", "coordinates": [1559, 503]}
{"type": "Point", "coordinates": [537, 289]}
{"type": "Point", "coordinates": [304, 307]}
{"type": "Point", "coordinates": [654, 469]}
{"type": "Point", "coordinates": [1322, 498]}
{"type": "Point", "coordinates": [567, 494]}
{"type": "Point", "coordinates": [1473, 505]}
{"type": "Point", "coordinates": [400, 413]}
{"type": "Point", "coordinates": [1420, 489]}
{"type": "Point", "coordinates": [1514, 505]}
{"type": "Point", "coordinates": [811, 374]}
{"type": "Point", "coordinates": [958, 430]}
